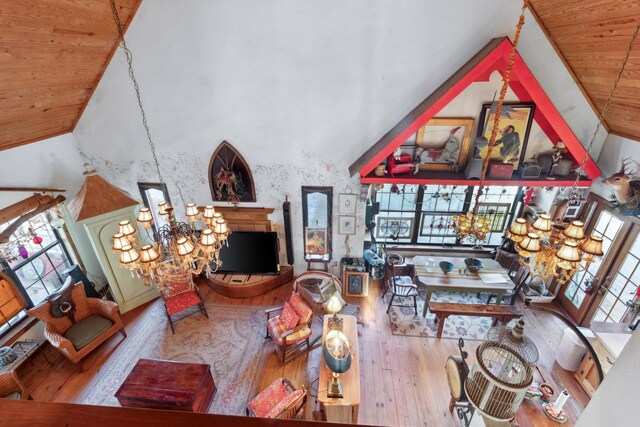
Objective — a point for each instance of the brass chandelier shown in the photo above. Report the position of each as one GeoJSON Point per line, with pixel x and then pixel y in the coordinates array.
{"type": "Point", "coordinates": [471, 225]}
{"type": "Point", "coordinates": [193, 246]}
{"type": "Point", "coordinates": [553, 248]}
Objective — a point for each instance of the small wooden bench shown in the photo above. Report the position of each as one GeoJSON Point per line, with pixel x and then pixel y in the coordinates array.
{"type": "Point", "coordinates": [442, 310]}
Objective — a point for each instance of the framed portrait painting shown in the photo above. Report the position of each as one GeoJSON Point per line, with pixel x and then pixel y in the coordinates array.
{"type": "Point", "coordinates": [347, 224]}
{"type": "Point", "coordinates": [443, 143]}
{"type": "Point", "coordinates": [512, 137]}
{"type": "Point", "coordinates": [356, 284]}
{"type": "Point", "coordinates": [315, 240]}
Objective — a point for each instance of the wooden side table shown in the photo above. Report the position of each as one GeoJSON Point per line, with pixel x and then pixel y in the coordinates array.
{"type": "Point", "coordinates": [164, 384]}
{"type": "Point", "coordinates": [342, 410]}
{"type": "Point", "coordinates": [24, 350]}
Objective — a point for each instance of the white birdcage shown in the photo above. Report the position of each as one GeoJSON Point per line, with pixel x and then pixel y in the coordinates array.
{"type": "Point", "coordinates": [499, 380]}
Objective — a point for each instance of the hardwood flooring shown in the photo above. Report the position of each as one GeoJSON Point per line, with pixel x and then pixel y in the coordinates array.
{"type": "Point", "coordinates": [403, 378]}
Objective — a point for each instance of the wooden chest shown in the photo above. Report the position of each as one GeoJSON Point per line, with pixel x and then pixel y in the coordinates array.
{"type": "Point", "coordinates": [163, 384]}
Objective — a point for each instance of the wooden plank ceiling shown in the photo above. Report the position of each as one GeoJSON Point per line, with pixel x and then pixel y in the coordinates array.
{"type": "Point", "coordinates": [52, 55]}
{"type": "Point", "coordinates": [592, 37]}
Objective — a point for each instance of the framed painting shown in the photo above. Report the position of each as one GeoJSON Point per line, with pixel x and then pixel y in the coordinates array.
{"type": "Point", "coordinates": [347, 225]}
{"type": "Point", "coordinates": [315, 240]}
{"type": "Point", "coordinates": [443, 143]}
{"type": "Point", "coordinates": [356, 283]}
{"type": "Point", "coordinates": [512, 137]}
{"type": "Point", "coordinates": [347, 203]}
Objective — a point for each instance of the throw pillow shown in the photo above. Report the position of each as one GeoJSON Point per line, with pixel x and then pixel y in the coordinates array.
{"type": "Point", "coordinates": [288, 317]}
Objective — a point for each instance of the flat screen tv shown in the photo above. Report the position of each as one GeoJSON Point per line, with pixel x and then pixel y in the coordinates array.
{"type": "Point", "coordinates": [250, 252]}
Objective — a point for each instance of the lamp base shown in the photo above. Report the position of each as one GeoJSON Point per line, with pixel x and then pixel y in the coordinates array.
{"type": "Point", "coordinates": [335, 323]}
{"type": "Point", "coordinates": [335, 388]}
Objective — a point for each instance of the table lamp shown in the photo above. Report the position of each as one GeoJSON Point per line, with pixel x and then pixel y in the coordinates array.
{"type": "Point", "coordinates": [337, 355]}
{"type": "Point", "coordinates": [333, 306]}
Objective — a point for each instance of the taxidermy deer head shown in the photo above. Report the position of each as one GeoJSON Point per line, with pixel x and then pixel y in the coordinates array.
{"type": "Point", "coordinates": [625, 185]}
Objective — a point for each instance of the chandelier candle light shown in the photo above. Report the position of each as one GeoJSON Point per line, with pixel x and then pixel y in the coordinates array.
{"type": "Point", "coordinates": [176, 245]}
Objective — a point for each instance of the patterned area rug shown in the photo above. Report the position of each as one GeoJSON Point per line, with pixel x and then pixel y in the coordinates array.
{"type": "Point", "coordinates": [405, 322]}
{"type": "Point", "coordinates": [231, 340]}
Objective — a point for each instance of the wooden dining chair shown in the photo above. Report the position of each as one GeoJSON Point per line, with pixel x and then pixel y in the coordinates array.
{"type": "Point", "coordinates": [508, 261]}
{"type": "Point", "coordinates": [401, 282]}
{"type": "Point", "coordinates": [521, 277]}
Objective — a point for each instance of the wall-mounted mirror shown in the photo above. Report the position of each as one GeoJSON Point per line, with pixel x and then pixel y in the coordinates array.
{"type": "Point", "coordinates": [317, 204]}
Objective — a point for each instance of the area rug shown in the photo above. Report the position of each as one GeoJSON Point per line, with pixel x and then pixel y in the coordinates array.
{"type": "Point", "coordinates": [231, 341]}
{"type": "Point", "coordinates": [405, 322]}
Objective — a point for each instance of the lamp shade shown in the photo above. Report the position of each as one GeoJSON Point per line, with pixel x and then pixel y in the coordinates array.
{"type": "Point", "coordinates": [575, 230]}
{"type": "Point", "coordinates": [208, 238]}
{"type": "Point", "coordinates": [125, 227]}
{"type": "Point", "coordinates": [129, 255]}
{"type": "Point", "coordinates": [209, 212]}
{"type": "Point", "coordinates": [542, 223]}
{"type": "Point", "coordinates": [518, 229]}
{"type": "Point", "coordinates": [163, 206]}
{"type": "Point", "coordinates": [530, 242]}
{"type": "Point", "coordinates": [333, 305]}
{"type": "Point", "coordinates": [144, 216]}
{"type": "Point", "coordinates": [568, 252]}
{"type": "Point", "coordinates": [593, 245]}
{"type": "Point", "coordinates": [184, 246]}
{"type": "Point", "coordinates": [191, 211]}
{"type": "Point", "coordinates": [119, 241]}
{"type": "Point", "coordinates": [220, 227]}
{"type": "Point", "coordinates": [148, 254]}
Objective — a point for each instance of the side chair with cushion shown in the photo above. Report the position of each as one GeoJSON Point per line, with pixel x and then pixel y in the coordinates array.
{"type": "Point", "coordinates": [317, 287]}
{"type": "Point", "coordinates": [401, 282]}
{"type": "Point", "coordinates": [11, 387]}
{"type": "Point", "coordinates": [290, 329]}
{"type": "Point", "coordinates": [75, 324]}
{"type": "Point", "coordinates": [179, 293]}
{"type": "Point", "coordinates": [280, 400]}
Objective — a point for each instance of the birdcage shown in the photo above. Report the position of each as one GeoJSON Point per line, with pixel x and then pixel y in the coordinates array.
{"type": "Point", "coordinates": [499, 380]}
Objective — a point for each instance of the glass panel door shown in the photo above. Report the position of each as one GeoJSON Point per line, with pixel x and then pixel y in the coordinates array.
{"type": "Point", "coordinates": [578, 295]}
{"type": "Point", "coordinates": [618, 300]}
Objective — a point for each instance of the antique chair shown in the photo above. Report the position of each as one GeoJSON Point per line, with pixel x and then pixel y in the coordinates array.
{"type": "Point", "coordinates": [508, 261]}
{"type": "Point", "coordinates": [179, 294]}
{"type": "Point", "coordinates": [75, 324]}
{"type": "Point", "coordinates": [401, 282]}
{"type": "Point", "coordinates": [520, 278]}
{"type": "Point", "coordinates": [317, 287]}
{"type": "Point", "coordinates": [291, 328]}
{"type": "Point", "coordinates": [391, 259]}
{"type": "Point", "coordinates": [280, 400]}
{"type": "Point", "coordinates": [11, 387]}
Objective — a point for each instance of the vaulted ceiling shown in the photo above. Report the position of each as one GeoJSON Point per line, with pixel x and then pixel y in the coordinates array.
{"type": "Point", "coordinates": [53, 53]}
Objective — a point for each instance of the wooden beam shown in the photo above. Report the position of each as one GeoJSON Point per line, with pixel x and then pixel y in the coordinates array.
{"type": "Point", "coordinates": [30, 190]}
{"type": "Point", "coordinates": [555, 47]}
{"type": "Point", "coordinates": [42, 207]}
{"type": "Point", "coordinates": [21, 208]}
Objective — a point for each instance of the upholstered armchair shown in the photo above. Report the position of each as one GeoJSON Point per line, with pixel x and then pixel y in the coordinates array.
{"type": "Point", "coordinates": [88, 325]}
{"type": "Point", "coordinates": [290, 327]}
{"type": "Point", "coordinates": [280, 400]}
{"type": "Point", "coordinates": [179, 294]}
{"type": "Point", "coordinates": [11, 387]}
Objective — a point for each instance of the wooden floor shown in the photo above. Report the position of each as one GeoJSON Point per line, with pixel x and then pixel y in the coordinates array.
{"type": "Point", "coordinates": [403, 379]}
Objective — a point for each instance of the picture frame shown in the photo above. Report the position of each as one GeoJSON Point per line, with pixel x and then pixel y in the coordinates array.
{"type": "Point", "coordinates": [508, 149]}
{"type": "Point", "coordinates": [347, 203]}
{"type": "Point", "coordinates": [355, 283]}
{"type": "Point", "coordinates": [347, 225]}
{"type": "Point", "coordinates": [443, 144]}
{"type": "Point", "coordinates": [315, 240]}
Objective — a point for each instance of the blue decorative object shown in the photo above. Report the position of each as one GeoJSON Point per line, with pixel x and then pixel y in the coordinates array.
{"type": "Point", "coordinates": [372, 258]}
{"type": "Point", "coordinates": [473, 264]}
{"type": "Point", "coordinates": [446, 266]}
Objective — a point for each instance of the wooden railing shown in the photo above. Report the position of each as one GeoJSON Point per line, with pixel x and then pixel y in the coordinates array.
{"type": "Point", "coordinates": [29, 413]}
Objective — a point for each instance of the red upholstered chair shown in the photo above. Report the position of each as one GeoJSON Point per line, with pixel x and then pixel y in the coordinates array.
{"type": "Point", "coordinates": [289, 340]}
{"type": "Point", "coordinates": [280, 400]}
{"type": "Point", "coordinates": [180, 294]}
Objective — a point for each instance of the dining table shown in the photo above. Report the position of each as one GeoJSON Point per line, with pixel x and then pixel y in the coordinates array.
{"type": "Point", "coordinates": [460, 279]}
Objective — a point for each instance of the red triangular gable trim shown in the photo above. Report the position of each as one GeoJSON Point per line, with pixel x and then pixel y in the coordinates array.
{"type": "Point", "coordinates": [493, 57]}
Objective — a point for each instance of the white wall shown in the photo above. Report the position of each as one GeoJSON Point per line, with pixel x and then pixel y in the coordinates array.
{"type": "Point", "coordinates": [50, 163]}
{"type": "Point", "coordinates": [615, 400]}
{"type": "Point", "coordinates": [301, 88]}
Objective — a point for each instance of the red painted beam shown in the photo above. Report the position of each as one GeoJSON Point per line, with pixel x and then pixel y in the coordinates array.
{"type": "Point", "coordinates": [411, 179]}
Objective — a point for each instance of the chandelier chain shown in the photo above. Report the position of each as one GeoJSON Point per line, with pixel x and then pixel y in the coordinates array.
{"type": "Point", "coordinates": [129, 56]}
{"type": "Point", "coordinates": [605, 108]}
